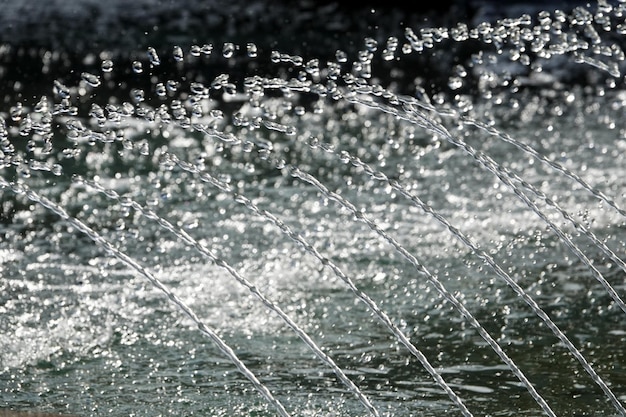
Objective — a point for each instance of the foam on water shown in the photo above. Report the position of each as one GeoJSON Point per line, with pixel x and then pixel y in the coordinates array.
{"type": "Point", "coordinates": [424, 222]}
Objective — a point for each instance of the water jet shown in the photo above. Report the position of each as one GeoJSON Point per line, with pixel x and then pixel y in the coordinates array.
{"type": "Point", "coordinates": [425, 219]}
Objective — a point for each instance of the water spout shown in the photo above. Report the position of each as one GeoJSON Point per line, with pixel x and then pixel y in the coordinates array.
{"type": "Point", "coordinates": [366, 209]}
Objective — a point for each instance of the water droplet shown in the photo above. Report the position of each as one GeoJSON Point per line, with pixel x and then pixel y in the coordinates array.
{"type": "Point", "coordinates": [198, 89]}
{"type": "Point", "coordinates": [207, 49]}
{"type": "Point", "coordinates": [61, 90]}
{"type": "Point", "coordinates": [73, 136]}
{"type": "Point", "coordinates": [314, 142]}
{"type": "Point", "coordinates": [312, 67]}
{"type": "Point", "coordinates": [296, 60]}
{"type": "Point", "coordinates": [219, 81]}
{"type": "Point", "coordinates": [195, 50]}
{"type": "Point", "coordinates": [460, 71]}
{"type": "Point", "coordinates": [107, 65]}
{"type": "Point", "coordinates": [23, 171]}
{"type": "Point", "coordinates": [92, 80]}
{"type": "Point", "coordinates": [216, 113]}
{"type": "Point", "coordinates": [229, 88]}
{"type": "Point", "coordinates": [137, 95]}
{"type": "Point", "coordinates": [197, 111]}
{"type": "Point", "coordinates": [178, 53]}
{"type": "Point", "coordinates": [127, 109]}
{"type": "Point", "coordinates": [137, 67]}
{"type": "Point", "coordinates": [56, 169]}
{"type": "Point", "coordinates": [460, 32]}
{"type": "Point", "coordinates": [371, 44]}
{"type": "Point", "coordinates": [228, 50]}
{"type": "Point", "coordinates": [153, 57]}
{"type": "Point", "coordinates": [97, 112]}
{"type": "Point", "coordinates": [144, 148]}
{"type": "Point", "coordinates": [172, 86]}
{"type": "Point", "coordinates": [25, 126]}
{"type": "Point", "coordinates": [251, 49]}
{"type": "Point", "coordinates": [455, 83]}
{"type": "Point", "coordinates": [16, 112]}
{"type": "Point", "coordinates": [42, 105]}
{"type": "Point", "coordinates": [388, 55]}
{"type": "Point", "coordinates": [160, 90]}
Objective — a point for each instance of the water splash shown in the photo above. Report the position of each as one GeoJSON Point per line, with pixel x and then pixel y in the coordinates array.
{"type": "Point", "coordinates": [184, 236]}
{"type": "Point", "coordinates": [439, 119]}
{"type": "Point", "coordinates": [111, 250]}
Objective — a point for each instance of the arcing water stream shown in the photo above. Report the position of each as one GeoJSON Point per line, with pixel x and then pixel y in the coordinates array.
{"type": "Point", "coordinates": [409, 225]}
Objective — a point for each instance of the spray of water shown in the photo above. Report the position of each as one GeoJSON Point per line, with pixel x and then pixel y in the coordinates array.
{"type": "Point", "coordinates": [110, 249]}
{"type": "Point", "coordinates": [169, 132]}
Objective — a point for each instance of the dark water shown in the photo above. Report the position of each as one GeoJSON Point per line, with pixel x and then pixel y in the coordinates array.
{"type": "Point", "coordinates": [440, 225]}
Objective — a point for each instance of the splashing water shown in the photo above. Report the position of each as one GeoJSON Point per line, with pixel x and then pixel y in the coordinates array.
{"type": "Point", "coordinates": [423, 220]}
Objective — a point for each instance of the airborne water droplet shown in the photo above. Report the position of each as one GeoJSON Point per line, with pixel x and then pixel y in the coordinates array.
{"type": "Point", "coordinates": [56, 169]}
{"type": "Point", "coordinates": [252, 50]}
{"type": "Point", "coordinates": [172, 86]}
{"type": "Point", "coordinates": [195, 50]}
{"type": "Point", "coordinates": [144, 149]}
{"type": "Point", "coordinates": [97, 112]}
{"type": "Point", "coordinates": [160, 90]}
{"type": "Point", "coordinates": [107, 65]}
{"type": "Point", "coordinates": [137, 67]}
{"type": "Point", "coordinates": [455, 83]}
{"type": "Point", "coordinates": [16, 112]}
{"type": "Point", "coordinates": [60, 90]}
{"type": "Point", "coordinates": [313, 67]}
{"type": "Point", "coordinates": [178, 53]}
{"type": "Point", "coordinates": [220, 81]}
{"type": "Point", "coordinates": [341, 56]}
{"type": "Point", "coordinates": [25, 126]}
{"type": "Point", "coordinates": [216, 113]}
{"type": "Point", "coordinates": [206, 49]}
{"type": "Point", "coordinates": [228, 50]}
{"type": "Point", "coordinates": [24, 171]}
{"type": "Point", "coordinates": [92, 80]}
{"type": "Point", "coordinates": [137, 95]}
{"type": "Point", "coordinates": [198, 89]}
{"type": "Point", "coordinates": [371, 44]}
{"type": "Point", "coordinates": [153, 57]}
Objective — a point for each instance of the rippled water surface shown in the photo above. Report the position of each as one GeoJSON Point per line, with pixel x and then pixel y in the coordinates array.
{"type": "Point", "coordinates": [425, 222]}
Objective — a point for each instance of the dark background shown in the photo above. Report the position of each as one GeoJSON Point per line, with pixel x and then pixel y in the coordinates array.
{"type": "Point", "coordinates": [77, 26]}
{"type": "Point", "coordinates": [58, 39]}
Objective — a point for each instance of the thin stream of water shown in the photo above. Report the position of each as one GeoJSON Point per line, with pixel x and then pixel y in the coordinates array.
{"type": "Point", "coordinates": [296, 172]}
{"type": "Point", "coordinates": [484, 256]}
{"type": "Point", "coordinates": [360, 216]}
{"type": "Point", "coordinates": [507, 177]}
{"type": "Point", "coordinates": [110, 249]}
{"type": "Point", "coordinates": [185, 237]}
{"type": "Point", "coordinates": [326, 262]}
